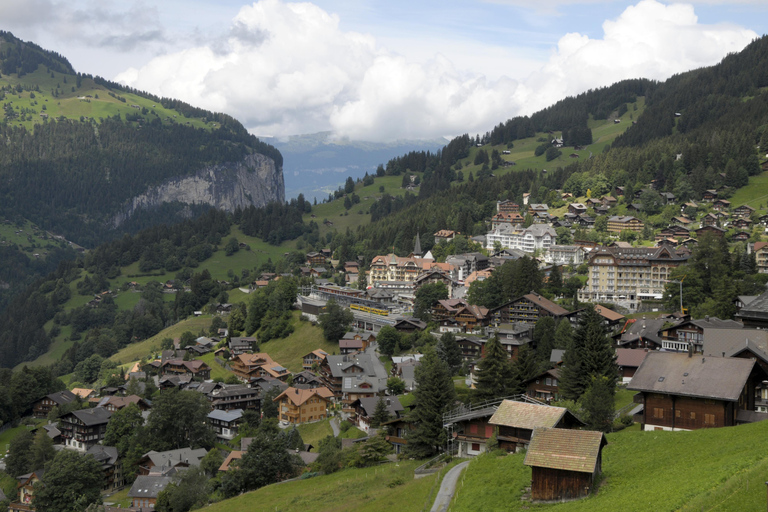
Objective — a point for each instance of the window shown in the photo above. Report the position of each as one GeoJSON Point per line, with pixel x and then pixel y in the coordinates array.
{"type": "Point", "coordinates": [476, 447]}
{"type": "Point", "coordinates": [677, 413]}
{"type": "Point", "coordinates": [709, 420]}
{"type": "Point", "coordinates": [693, 415]}
{"type": "Point", "coordinates": [658, 412]}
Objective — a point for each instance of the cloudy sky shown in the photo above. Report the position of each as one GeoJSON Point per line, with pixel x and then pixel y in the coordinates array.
{"type": "Point", "coordinates": [382, 70]}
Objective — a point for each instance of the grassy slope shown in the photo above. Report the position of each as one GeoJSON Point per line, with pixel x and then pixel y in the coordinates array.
{"type": "Point", "coordinates": [312, 433]}
{"type": "Point", "coordinates": [755, 194]}
{"type": "Point", "coordinates": [351, 490]}
{"type": "Point", "coordinates": [702, 470]}
{"type": "Point", "coordinates": [68, 105]}
{"type": "Point", "coordinates": [304, 339]}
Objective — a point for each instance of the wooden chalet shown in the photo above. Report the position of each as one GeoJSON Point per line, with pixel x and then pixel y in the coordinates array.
{"type": "Point", "coordinates": [233, 397]}
{"type": "Point", "coordinates": [307, 380]}
{"type": "Point", "coordinates": [741, 236]}
{"type": "Point", "coordinates": [366, 407]}
{"type": "Point", "coordinates": [410, 325]}
{"type": "Point", "coordinates": [249, 366]}
{"type": "Point", "coordinates": [297, 406]}
{"type": "Point", "coordinates": [467, 317]}
{"type": "Point", "coordinates": [617, 224]}
{"type": "Point", "coordinates": [564, 463]}
{"type": "Point", "coordinates": [677, 233]}
{"type": "Point", "coordinates": [714, 230]}
{"type": "Point", "coordinates": [515, 422]}
{"type": "Point", "coordinates": [526, 309]}
{"type": "Point", "coordinates": [721, 205]}
{"type": "Point", "coordinates": [628, 361]}
{"type": "Point", "coordinates": [196, 368]}
{"type": "Point", "coordinates": [111, 467]}
{"type": "Point", "coordinates": [317, 356]}
{"type": "Point", "coordinates": [544, 386]}
{"type": "Point", "coordinates": [84, 428]}
{"type": "Point", "coordinates": [42, 407]}
{"type": "Point", "coordinates": [687, 392]}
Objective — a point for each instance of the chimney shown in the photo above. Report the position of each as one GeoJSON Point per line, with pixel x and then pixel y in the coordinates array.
{"type": "Point", "coordinates": [297, 390]}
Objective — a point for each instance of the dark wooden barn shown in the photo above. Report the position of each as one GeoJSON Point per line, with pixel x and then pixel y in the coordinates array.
{"type": "Point", "coordinates": [564, 463]}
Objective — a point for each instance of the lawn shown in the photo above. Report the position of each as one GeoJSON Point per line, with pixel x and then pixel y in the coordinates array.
{"type": "Point", "coordinates": [136, 351]}
{"type": "Point", "coordinates": [8, 435]}
{"type": "Point", "coordinates": [305, 338]}
{"type": "Point", "coordinates": [386, 487]}
{"type": "Point", "coordinates": [216, 370]}
{"type": "Point", "coordinates": [353, 433]}
{"type": "Point", "coordinates": [312, 433]}
{"type": "Point", "coordinates": [755, 194]}
{"type": "Point", "coordinates": [713, 469]}
{"type": "Point", "coordinates": [623, 397]}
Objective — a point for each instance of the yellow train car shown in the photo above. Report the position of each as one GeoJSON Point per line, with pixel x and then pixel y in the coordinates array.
{"type": "Point", "coordinates": [367, 309]}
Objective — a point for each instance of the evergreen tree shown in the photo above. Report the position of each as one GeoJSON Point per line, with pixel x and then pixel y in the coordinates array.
{"type": "Point", "coordinates": [524, 368]}
{"type": "Point", "coordinates": [449, 351]}
{"type": "Point", "coordinates": [589, 354]}
{"type": "Point", "coordinates": [380, 414]}
{"type": "Point", "coordinates": [493, 372]}
{"type": "Point", "coordinates": [563, 334]}
{"type": "Point", "coordinates": [433, 395]}
{"type": "Point", "coordinates": [544, 338]}
{"type": "Point", "coordinates": [42, 449]}
{"type": "Point", "coordinates": [598, 403]}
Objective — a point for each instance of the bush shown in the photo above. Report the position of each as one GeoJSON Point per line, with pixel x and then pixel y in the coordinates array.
{"type": "Point", "coordinates": [345, 425]}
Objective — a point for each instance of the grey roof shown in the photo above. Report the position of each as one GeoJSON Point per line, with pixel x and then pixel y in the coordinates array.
{"type": "Point", "coordinates": [104, 455]}
{"type": "Point", "coordinates": [172, 457]}
{"type": "Point", "coordinates": [228, 416]}
{"type": "Point", "coordinates": [646, 329]}
{"type": "Point", "coordinates": [62, 397]}
{"type": "Point", "coordinates": [369, 405]}
{"type": "Point", "coordinates": [556, 356]}
{"type": "Point", "coordinates": [733, 341]}
{"type": "Point", "coordinates": [94, 416]}
{"type": "Point", "coordinates": [148, 486]}
{"type": "Point", "coordinates": [721, 378]}
{"type": "Point", "coordinates": [757, 308]}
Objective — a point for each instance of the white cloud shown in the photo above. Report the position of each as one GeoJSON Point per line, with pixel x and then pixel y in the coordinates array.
{"type": "Point", "coordinates": [287, 68]}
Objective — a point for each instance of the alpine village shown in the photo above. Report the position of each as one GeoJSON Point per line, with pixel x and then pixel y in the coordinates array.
{"type": "Point", "coordinates": [570, 309]}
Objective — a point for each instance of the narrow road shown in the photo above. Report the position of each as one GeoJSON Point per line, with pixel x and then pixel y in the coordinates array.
{"type": "Point", "coordinates": [335, 426]}
{"type": "Point", "coordinates": [448, 487]}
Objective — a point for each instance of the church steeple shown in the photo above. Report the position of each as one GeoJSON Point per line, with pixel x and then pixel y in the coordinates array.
{"type": "Point", "coordinates": [417, 246]}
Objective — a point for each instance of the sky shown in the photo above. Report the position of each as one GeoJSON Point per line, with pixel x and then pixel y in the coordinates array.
{"type": "Point", "coordinates": [382, 70]}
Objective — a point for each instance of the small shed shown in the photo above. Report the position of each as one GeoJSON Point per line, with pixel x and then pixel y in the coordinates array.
{"type": "Point", "coordinates": [564, 463]}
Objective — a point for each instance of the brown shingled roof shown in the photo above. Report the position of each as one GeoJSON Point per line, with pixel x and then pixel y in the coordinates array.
{"type": "Point", "coordinates": [525, 415]}
{"type": "Point", "coordinates": [569, 450]}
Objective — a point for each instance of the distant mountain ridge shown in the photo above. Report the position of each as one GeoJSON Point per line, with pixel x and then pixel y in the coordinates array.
{"type": "Point", "coordinates": [84, 155]}
{"type": "Point", "coordinates": [316, 164]}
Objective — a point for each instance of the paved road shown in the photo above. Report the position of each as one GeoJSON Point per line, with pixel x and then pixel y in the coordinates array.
{"type": "Point", "coordinates": [335, 426]}
{"type": "Point", "coordinates": [448, 487]}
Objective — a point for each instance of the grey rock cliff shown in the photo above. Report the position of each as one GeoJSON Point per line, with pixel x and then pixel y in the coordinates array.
{"type": "Point", "coordinates": [253, 181]}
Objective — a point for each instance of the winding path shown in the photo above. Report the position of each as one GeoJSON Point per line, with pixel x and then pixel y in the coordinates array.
{"type": "Point", "coordinates": [448, 487]}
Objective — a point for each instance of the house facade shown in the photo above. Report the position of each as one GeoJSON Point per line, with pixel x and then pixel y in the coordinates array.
{"type": "Point", "coordinates": [686, 392]}
{"type": "Point", "coordinates": [297, 406]}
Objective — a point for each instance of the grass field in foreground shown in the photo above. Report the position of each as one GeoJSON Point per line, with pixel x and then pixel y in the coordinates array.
{"type": "Point", "coordinates": [719, 469]}
{"type": "Point", "coordinates": [383, 488]}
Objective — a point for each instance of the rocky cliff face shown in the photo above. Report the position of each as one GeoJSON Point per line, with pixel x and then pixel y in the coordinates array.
{"type": "Point", "coordinates": [253, 181]}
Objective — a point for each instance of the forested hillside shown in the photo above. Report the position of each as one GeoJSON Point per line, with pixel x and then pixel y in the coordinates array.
{"type": "Point", "coordinates": [78, 147]}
